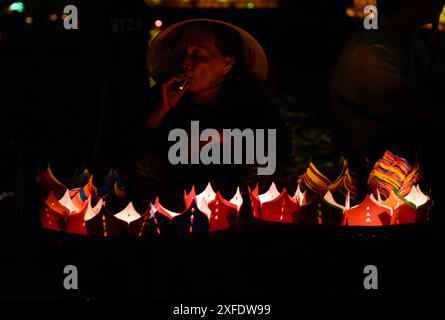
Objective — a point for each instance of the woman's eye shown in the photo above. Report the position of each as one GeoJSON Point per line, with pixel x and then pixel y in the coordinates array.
{"type": "Point", "coordinates": [196, 53]}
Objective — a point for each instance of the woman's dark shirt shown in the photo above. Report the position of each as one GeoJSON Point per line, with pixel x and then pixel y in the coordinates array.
{"type": "Point", "coordinates": [241, 104]}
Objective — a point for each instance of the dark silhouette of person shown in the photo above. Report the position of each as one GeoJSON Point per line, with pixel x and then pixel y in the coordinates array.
{"type": "Point", "coordinates": [382, 95]}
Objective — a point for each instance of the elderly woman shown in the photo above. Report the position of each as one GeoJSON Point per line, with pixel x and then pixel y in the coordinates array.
{"type": "Point", "coordinates": [207, 71]}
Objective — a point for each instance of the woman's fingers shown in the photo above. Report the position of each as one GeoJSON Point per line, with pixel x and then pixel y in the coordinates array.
{"type": "Point", "coordinates": [179, 92]}
{"type": "Point", "coordinates": [175, 86]}
{"type": "Point", "coordinates": [183, 86]}
{"type": "Point", "coordinates": [173, 90]}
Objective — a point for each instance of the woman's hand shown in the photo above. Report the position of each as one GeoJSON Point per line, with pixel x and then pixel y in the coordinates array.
{"type": "Point", "coordinates": [171, 93]}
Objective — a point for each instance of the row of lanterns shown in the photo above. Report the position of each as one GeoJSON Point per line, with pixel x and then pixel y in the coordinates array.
{"type": "Point", "coordinates": [394, 198]}
{"type": "Point", "coordinates": [278, 206]}
{"type": "Point", "coordinates": [72, 213]}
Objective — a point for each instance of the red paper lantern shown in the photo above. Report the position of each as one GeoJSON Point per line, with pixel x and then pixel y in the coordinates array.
{"type": "Point", "coordinates": [207, 211]}
{"type": "Point", "coordinates": [278, 206]}
{"type": "Point", "coordinates": [62, 214]}
{"type": "Point", "coordinates": [333, 213]}
{"type": "Point", "coordinates": [369, 213]}
{"type": "Point", "coordinates": [53, 214]}
{"type": "Point", "coordinates": [127, 222]}
{"type": "Point", "coordinates": [414, 207]}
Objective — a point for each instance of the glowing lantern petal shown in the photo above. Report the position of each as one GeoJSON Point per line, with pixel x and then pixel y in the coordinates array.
{"type": "Point", "coordinates": [129, 214]}
{"type": "Point", "coordinates": [68, 203]}
{"type": "Point", "coordinates": [417, 197]}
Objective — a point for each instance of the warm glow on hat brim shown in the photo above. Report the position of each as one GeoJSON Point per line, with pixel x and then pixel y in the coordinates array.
{"type": "Point", "coordinates": [255, 55]}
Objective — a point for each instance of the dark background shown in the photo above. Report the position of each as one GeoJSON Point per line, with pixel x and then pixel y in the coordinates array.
{"type": "Point", "coordinates": [63, 79]}
{"type": "Point", "coordinates": [66, 96]}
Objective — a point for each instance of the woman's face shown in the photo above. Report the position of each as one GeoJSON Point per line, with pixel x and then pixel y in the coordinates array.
{"type": "Point", "coordinates": [202, 63]}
